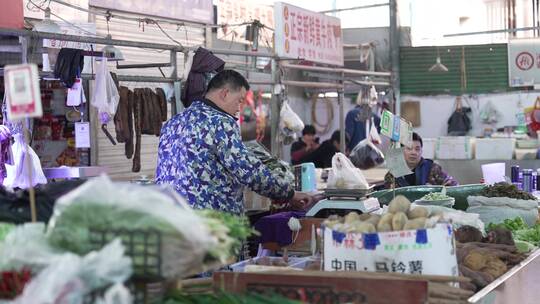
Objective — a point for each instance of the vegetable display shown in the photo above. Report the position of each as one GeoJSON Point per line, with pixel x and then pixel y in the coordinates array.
{"type": "Point", "coordinates": [400, 216]}
{"type": "Point", "coordinates": [435, 196]}
{"type": "Point", "coordinates": [520, 231]}
{"type": "Point", "coordinates": [485, 259]}
{"type": "Point", "coordinates": [5, 228]}
{"type": "Point", "coordinates": [506, 190]}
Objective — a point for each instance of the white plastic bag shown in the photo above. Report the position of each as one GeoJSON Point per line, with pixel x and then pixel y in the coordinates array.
{"type": "Point", "coordinates": [105, 96]}
{"type": "Point", "coordinates": [69, 277]}
{"type": "Point", "coordinates": [457, 218]}
{"type": "Point", "coordinates": [497, 209]}
{"type": "Point", "coordinates": [17, 174]}
{"type": "Point", "coordinates": [365, 155]}
{"type": "Point", "coordinates": [344, 175]}
{"type": "Point", "coordinates": [489, 114]}
{"type": "Point", "coordinates": [26, 246]}
{"type": "Point", "coordinates": [289, 119]}
{"type": "Point", "coordinates": [374, 136]}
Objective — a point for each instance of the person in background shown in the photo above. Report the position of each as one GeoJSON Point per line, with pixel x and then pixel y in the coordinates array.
{"type": "Point", "coordinates": [425, 171]}
{"type": "Point", "coordinates": [305, 145]}
{"type": "Point", "coordinates": [322, 156]}
{"type": "Point", "coordinates": [355, 124]}
{"type": "Point", "coordinates": [201, 153]}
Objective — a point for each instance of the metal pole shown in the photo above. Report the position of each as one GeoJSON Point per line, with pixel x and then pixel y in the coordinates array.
{"type": "Point", "coordinates": [394, 53]}
{"type": "Point", "coordinates": [177, 105]}
{"type": "Point", "coordinates": [334, 70]}
{"type": "Point", "coordinates": [274, 110]}
{"type": "Point", "coordinates": [341, 102]}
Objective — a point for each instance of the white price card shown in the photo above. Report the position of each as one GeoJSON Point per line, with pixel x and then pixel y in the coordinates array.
{"type": "Point", "coordinates": [22, 91]}
{"type": "Point", "coordinates": [75, 96]}
{"type": "Point", "coordinates": [82, 135]}
{"type": "Point", "coordinates": [395, 162]}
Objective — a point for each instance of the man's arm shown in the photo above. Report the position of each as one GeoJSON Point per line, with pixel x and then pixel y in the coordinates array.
{"type": "Point", "coordinates": [245, 167]}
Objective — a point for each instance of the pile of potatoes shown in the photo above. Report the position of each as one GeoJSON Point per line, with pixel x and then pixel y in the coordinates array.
{"type": "Point", "coordinates": [400, 216]}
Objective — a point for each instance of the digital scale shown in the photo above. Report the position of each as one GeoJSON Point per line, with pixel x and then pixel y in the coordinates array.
{"type": "Point", "coordinates": [343, 201]}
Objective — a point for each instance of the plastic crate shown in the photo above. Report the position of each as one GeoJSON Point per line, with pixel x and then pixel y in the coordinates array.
{"type": "Point", "coordinates": [143, 292]}
{"type": "Point", "coordinates": [142, 246]}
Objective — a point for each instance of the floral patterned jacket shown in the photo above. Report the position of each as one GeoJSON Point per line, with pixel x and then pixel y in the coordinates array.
{"type": "Point", "coordinates": [202, 156]}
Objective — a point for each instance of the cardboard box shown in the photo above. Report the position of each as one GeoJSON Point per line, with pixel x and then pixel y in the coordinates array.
{"type": "Point", "coordinates": [459, 147]}
{"type": "Point", "coordinates": [495, 148]}
{"type": "Point", "coordinates": [424, 251]}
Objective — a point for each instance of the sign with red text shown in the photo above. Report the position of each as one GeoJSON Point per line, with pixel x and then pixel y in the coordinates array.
{"type": "Point", "coordinates": [423, 251]}
{"type": "Point", "coordinates": [523, 62]}
{"type": "Point", "coordinates": [231, 13]}
{"type": "Point", "coordinates": [307, 35]}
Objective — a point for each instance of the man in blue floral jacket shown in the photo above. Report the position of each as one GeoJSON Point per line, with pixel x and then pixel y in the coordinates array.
{"type": "Point", "coordinates": [202, 156]}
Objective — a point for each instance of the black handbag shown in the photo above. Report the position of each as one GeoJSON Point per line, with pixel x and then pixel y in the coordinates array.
{"type": "Point", "coordinates": [459, 123]}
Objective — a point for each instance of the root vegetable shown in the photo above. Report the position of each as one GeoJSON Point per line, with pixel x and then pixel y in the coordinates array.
{"type": "Point", "coordinates": [414, 224]}
{"type": "Point", "coordinates": [374, 219]}
{"type": "Point", "coordinates": [398, 221]}
{"type": "Point", "coordinates": [384, 227]}
{"type": "Point", "coordinates": [399, 204]}
{"type": "Point", "coordinates": [352, 217]}
{"type": "Point", "coordinates": [418, 212]}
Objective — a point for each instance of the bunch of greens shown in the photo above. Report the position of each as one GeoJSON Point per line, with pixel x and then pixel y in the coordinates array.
{"type": "Point", "coordinates": [227, 298]}
{"type": "Point", "coordinates": [231, 230]}
{"type": "Point", "coordinates": [516, 224]}
{"type": "Point", "coordinates": [506, 190]}
{"type": "Point", "coordinates": [435, 196]}
{"type": "Point", "coordinates": [520, 230]}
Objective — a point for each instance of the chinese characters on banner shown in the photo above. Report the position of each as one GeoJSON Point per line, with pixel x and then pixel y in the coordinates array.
{"type": "Point", "coordinates": [424, 251]}
{"type": "Point", "coordinates": [307, 35]}
{"type": "Point", "coordinates": [524, 62]}
{"type": "Point", "coordinates": [231, 12]}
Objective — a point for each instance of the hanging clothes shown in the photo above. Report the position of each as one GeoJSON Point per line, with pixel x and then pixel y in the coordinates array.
{"type": "Point", "coordinates": [123, 121]}
{"type": "Point", "coordinates": [204, 63]}
{"type": "Point", "coordinates": [69, 65]}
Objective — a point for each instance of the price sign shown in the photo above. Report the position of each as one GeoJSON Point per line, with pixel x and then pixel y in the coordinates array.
{"type": "Point", "coordinates": [396, 128]}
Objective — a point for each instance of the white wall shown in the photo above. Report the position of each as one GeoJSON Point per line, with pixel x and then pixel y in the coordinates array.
{"type": "Point", "coordinates": [435, 110]}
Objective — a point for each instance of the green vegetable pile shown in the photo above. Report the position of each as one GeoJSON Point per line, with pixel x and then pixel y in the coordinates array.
{"type": "Point", "coordinates": [435, 196]}
{"type": "Point", "coordinates": [227, 298]}
{"type": "Point", "coordinates": [506, 190]}
{"type": "Point", "coordinates": [512, 225]}
{"type": "Point", "coordinates": [520, 230]}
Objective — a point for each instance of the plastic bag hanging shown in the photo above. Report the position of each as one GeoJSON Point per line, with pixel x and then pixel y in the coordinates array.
{"type": "Point", "coordinates": [289, 124]}
{"type": "Point", "coordinates": [365, 155]}
{"type": "Point", "coordinates": [17, 174]}
{"type": "Point", "coordinates": [105, 97]}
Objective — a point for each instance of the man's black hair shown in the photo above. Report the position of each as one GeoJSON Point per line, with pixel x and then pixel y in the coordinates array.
{"type": "Point", "coordinates": [232, 78]}
{"type": "Point", "coordinates": [309, 130]}
{"type": "Point", "coordinates": [416, 137]}
{"type": "Point", "coordinates": [336, 136]}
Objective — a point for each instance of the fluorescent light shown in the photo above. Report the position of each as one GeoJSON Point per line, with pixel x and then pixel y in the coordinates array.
{"type": "Point", "coordinates": [266, 95]}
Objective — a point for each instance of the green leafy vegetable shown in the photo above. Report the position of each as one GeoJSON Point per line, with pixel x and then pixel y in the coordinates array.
{"type": "Point", "coordinates": [5, 228]}
{"type": "Point", "coordinates": [506, 190]}
{"type": "Point", "coordinates": [516, 224]}
{"type": "Point", "coordinates": [531, 235]}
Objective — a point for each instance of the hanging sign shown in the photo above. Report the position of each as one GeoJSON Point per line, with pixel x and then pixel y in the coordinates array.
{"type": "Point", "coordinates": [22, 91]}
{"type": "Point", "coordinates": [82, 135]}
{"type": "Point", "coordinates": [523, 62]}
{"type": "Point", "coordinates": [395, 162]}
{"type": "Point", "coordinates": [231, 13]}
{"type": "Point", "coordinates": [396, 128]}
{"type": "Point", "coordinates": [307, 35]}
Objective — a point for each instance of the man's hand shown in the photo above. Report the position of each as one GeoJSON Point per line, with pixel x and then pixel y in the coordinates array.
{"type": "Point", "coordinates": [301, 201]}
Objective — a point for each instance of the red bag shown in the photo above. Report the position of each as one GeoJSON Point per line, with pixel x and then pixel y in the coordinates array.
{"type": "Point", "coordinates": [534, 116]}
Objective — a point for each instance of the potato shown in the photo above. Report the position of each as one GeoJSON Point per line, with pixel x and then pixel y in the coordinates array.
{"type": "Point", "coordinates": [352, 217]}
{"type": "Point", "coordinates": [399, 204]}
{"type": "Point", "coordinates": [364, 227]}
{"type": "Point", "coordinates": [374, 219]}
{"type": "Point", "coordinates": [386, 219]}
{"type": "Point", "coordinates": [475, 260]}
{"type": "Point", "coordinates": [414, 224]}
{"type": "Point", "coordinates": [398, 221]}
{"type": "Point", "coordinates": [384, 227]}
{"type": "Point", "coordinates": [418, 212]}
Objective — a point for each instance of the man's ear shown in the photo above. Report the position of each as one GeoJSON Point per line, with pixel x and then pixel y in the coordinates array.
{"type": "Point", "coordinates": [223, 92]}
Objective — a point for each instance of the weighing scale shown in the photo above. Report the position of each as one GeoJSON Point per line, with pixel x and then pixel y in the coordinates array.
{"type": "Point", "coordinates": [343, 201]}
